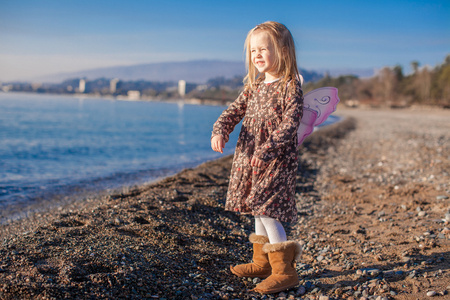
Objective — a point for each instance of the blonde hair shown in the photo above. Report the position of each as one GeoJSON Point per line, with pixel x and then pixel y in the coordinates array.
{"type": "Point", "coordinates": [285, 58]}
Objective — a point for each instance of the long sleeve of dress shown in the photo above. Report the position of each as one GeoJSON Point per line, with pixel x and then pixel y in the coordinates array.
{"type": "Point", "coordinates": [285, 132]}
{"type": "Point", "coordinates": [230, 117]}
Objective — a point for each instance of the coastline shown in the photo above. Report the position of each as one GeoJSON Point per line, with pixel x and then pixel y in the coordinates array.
{"type": "Point", "coordinates": [211, 102]}
{"type": "Point", "coordinates": [192, 101]}
{"type": "Point", "coordinates": [372, 207]}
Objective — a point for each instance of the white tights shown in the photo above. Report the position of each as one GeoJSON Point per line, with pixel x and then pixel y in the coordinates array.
{"type": "Point", "coordinates": [270, 227]}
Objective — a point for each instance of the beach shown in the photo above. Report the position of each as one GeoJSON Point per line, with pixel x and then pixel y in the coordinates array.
{"type": "Point", "coordinates": [374, 212]}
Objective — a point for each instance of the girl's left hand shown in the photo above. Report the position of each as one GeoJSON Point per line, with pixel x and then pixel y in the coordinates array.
{"type": "Point", "coordinates": [256, 162]}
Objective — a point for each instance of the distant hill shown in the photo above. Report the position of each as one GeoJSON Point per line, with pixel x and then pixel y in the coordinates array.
{"type": "Point", "coordinates": [196, 71]}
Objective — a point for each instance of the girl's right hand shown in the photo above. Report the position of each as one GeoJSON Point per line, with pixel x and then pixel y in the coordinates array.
{"type": "Point", "coordinates": [218, 143]}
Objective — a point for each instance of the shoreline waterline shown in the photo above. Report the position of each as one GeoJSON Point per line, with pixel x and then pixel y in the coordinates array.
{"type": "Point", "coordinates": [60, 146]}
{"type": "Point", "coordinates": [72, 195]}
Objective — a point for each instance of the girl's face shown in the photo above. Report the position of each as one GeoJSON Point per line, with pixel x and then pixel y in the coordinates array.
{"type": "Point", "coordinates": [263, 54]}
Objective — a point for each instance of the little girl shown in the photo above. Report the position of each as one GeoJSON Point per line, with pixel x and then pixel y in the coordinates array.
{"type": "Point", "coordinates": [262, 181]}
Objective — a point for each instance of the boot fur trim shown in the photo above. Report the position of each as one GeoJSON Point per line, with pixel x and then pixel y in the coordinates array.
{"type": "Point", "coordinates": [258, 239]}
{"type": "Point", "coordinates": [283, 246]}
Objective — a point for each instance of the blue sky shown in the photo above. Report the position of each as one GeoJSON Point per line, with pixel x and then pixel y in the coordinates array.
{"type": "Point", "coordinates": [51, 36]}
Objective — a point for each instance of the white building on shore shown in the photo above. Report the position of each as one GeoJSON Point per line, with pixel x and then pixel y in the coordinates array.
{"type": "Point", "coordinates": [134, 95]}
{"type": "Point", "coordinates": [182, 88]}
{"type": "Point", "coordinates": [82, 86]}
{"type": "Point", "coordinates": [113, 85]}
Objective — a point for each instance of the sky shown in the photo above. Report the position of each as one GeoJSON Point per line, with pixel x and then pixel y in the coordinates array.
{"type": "Point", "coordinates": [41, 37]}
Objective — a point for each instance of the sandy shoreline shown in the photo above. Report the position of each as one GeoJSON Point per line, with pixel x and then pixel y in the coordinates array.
{"type": "Point", "coordinates": [373, 201]}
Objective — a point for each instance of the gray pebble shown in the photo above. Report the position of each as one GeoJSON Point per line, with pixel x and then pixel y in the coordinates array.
{"type": "Point", "coordinates": [447, 217]}
{"type": "Point", "coordinates": [442, 197]}
{"type": "Point", "coordinates": [301, 291]}
{"type": "Point", "coordinates": [431, 293]}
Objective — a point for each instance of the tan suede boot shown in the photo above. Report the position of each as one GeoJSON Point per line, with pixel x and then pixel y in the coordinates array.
{"type": "Point", "coordinates": [282, 257]}
{"type": "Point", "coordinates": [260, 266]}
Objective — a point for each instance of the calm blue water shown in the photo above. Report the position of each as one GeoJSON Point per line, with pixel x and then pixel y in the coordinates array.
{"type": "Point", "coordinates": [55, 146]}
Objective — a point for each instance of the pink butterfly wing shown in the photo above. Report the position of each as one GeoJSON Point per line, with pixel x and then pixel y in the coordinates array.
{"type": "Point", "coordinates": [323, 101]}
{"type": "Point", "coordinates": [306, 124]}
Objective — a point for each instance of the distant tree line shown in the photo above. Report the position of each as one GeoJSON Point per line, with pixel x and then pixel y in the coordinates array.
{"type": "Point", "coordinates": [424, 86]}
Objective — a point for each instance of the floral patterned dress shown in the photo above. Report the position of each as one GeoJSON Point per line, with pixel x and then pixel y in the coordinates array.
{"type": "Point", "coordinates": [272, 114]}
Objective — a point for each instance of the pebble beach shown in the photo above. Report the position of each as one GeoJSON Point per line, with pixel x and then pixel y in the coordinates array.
{"type": "Point", "coordinates": [374, 218]}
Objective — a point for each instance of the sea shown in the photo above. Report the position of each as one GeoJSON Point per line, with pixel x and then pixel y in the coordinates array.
{"type": "Point", "coordinates": [58, 149]}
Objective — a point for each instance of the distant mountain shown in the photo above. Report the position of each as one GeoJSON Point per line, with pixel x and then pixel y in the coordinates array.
{"type": "Point", "coordinates": [197, 71]}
